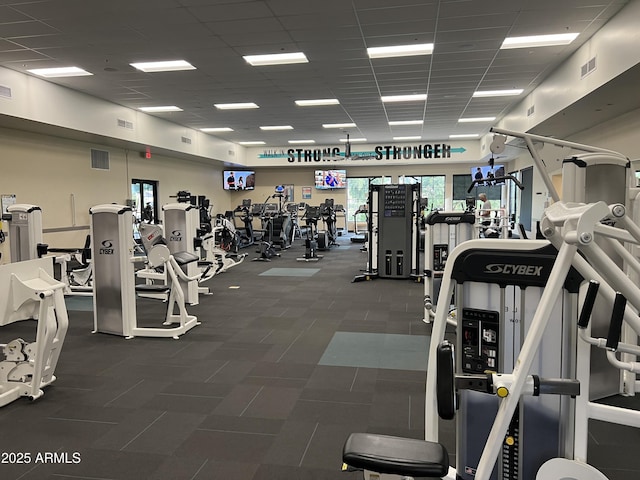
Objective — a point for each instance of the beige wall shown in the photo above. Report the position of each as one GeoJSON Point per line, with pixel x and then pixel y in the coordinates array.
{"type": "Point", "coordinates": [55, 174]}
{"type": "Point", "coordinates": [49, 171]}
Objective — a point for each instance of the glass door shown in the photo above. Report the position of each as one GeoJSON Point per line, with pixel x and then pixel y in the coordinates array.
{"type": "Point", "coordinates": [144, 201]}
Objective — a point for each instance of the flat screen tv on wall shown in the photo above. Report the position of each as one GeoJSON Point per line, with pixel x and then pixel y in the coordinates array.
{"type": "Point", "coordinates": [487, 174]}
{"type": "Point", "coordinates": [330, 179]}
{"type": "Point", "coordinates": [239, 180]}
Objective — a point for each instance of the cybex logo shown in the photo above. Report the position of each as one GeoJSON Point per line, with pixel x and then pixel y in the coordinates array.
{"type": "Point", "coordinates": [176, 236]}
{"type": "Point", "coordinates": [451, 219]}
{"type": "Point", "coordinates": [107, 247]}
{"type": "Point", "coordinates": [510, 269]}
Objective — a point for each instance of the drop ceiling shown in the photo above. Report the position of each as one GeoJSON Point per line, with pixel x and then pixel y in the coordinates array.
{"type": "Point", "coordinates": [104, 37]}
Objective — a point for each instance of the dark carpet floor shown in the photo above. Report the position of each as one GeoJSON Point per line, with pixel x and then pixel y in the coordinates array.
{"type": "Point", "coordinates": [290, 358]}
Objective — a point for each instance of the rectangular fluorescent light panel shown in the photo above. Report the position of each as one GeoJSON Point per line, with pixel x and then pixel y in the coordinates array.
{"type": "Point", "coordinates": [344, 140]}
{"type": "Point", "coordinates": [235, 106]}
{"type": "Point", "coordinates": [164, 66]}
{"type": "Point", "coordinates": [406, 122]}
{"type": "Point", "coordinates": [165, 108]}
{"type": "Point", "coordinates": [338, 125]}
{"type": "Point", "coordinates": [257, 142]}
{"type": "Point", "coordinates": [294, 142]}
{"type": "Point", "coordinates": [276, 127]}
{"type": "Point", "coordinates": [216, 129]}
{"type": "Point", "coordinates": [415, 137]}
{"type": "Point", "coordinates": [538, 41]}
{"type": "Point", "coordinates": [476, 119]}
{"type": "Point", "coordinates": [464, 135]}
{"type": "Point", "coordinates": [276, 59]}
{"type": "Point", "coordinates": [400, 50]}
{"type": "Point", "coordinates": [59, 72]}
{"type": "Point", "coordinates": [404, 98]}
{"type": "Point", "coordinates": [319, 102]}
{"type": "Point", "coordinates": [498, 93]}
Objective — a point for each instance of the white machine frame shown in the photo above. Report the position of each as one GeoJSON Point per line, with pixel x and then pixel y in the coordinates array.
{"type": "Point", "coordinates": [31, 292]}
{"type": "Point", "coordinates": [572, 228]}
{"type": "Point", "coordinates": [114, 299]}
{"type": "Point", "coordinates": [25, 231]}
{"type": "Point", "coordinates": [601, 243]}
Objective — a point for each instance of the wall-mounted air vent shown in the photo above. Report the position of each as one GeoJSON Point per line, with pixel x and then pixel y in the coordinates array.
{"type": "Point", "coordinates": [531, 110]}
{"type": "Point", "coordinates": [186, 140]}
{"type": "Point", "coordinates": [125, 124]}
{"type": "Point", "coordinates": [231, 153]}
{"type": "Point", "coordinates": [588, 67]}
{"type": "Point", "coordinates": [5, 92]}
{"type": "Point", "coordinates": [99, 159]}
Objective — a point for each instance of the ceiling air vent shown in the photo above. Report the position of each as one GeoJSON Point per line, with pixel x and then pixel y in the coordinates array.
{"type": "Point", "coordinates": [99, 159]}
{"type": "Point", "coordinates": [588, 67]}
{"type": "Point", "coordinates": [125, 124]}
{"type": "Point", "coordinates": [186, 140]}
{"type": "Point", "coordinates": [5, 91]}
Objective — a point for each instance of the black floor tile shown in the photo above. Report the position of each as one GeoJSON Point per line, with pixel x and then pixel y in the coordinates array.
{"type": "Point", "coordinates": [242, 397]}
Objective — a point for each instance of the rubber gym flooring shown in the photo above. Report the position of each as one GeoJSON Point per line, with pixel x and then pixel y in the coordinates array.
{"type": "Point", "coordinates": [290, 358]}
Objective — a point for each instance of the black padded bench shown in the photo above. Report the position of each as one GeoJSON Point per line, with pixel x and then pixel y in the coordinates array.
{"type": "Point", "coordinates": [156, 288]}
{"type": "Point", "coordinates": [396, 455]}
{"type": "Point", "coordinates": [183, 258]}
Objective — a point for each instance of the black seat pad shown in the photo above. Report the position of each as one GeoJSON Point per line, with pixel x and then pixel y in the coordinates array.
{"type": "Point", "coordinates": [143, 288]}
{"type": "Point", "coordinates": [182, 258]}
{"type": "Point", "coordinates": [396, 455]}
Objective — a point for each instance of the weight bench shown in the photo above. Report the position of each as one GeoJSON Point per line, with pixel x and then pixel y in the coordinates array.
{"type": "Point", "coordinates": [395, 455]}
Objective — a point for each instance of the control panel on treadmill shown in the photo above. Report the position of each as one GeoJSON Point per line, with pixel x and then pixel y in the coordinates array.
{"type": "Point", "coordinates": [479, 341]}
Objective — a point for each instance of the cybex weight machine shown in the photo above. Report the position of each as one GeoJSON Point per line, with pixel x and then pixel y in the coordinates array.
{"type": "Point", "coordinates": [114, 299]}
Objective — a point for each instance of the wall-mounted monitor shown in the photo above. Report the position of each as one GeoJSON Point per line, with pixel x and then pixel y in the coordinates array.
{"type": "Point", "coordinates": [238, 180]}
{"type": "Point", "coordinates": [487, 173]}
{"type": "Point", "coordinates": [330, 179]}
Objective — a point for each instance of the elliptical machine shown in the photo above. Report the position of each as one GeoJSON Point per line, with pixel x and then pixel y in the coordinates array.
{"type": "Point", "coordinates": [311, 217]}
{"type": "Point", "coordinates": [245, 237]}
{"type": "Point", "coordinates": [328, 237]}
{"type": "Point", "coordinates": [281, 221]}
{"type": "Point", "coordinates": [265, 243]}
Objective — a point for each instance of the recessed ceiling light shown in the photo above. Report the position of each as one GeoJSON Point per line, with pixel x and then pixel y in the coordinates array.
{"type": "Point", "coordinates": [256, 142]}
{"type": "Point", "coordinates": [476, 119]}
{"type": "Point", "coordinates": [539, 40]}
{"type": "Point", "coordinates": [352, 140]}
{"type": "Point", "coordinates": [276, 59]}
{"type": "Point", "coordinates": [216, 129]}
{"type": "Point", "coordinates": [321, 101]}
{"type": "Point", "coordinates": [406, 122]}
{"type": "Point", "coordinates": [404, 98]}
{"type": "Point", "coordinates": [235, 106]}
{"type": "Point", "coordinates": [338, 125]}
{"type": "Point", "coordinates": [414, 137]}
{"type": "Point", "coordinates": [498, 93]}
{"type": "Point", "coordinates": [60, 72]}
{"type": "Point", "coordinates": [164, 66]}
{"type": "Point", "coordinates": [276, 127]}
{"type": "Point", "coordinates": [464, 135]}
{"type": "Point", "coordinates": [293, 142]}
{"type": "Point", "coordinates": [164, 108]}
{"type": "Point", "coordinates": [400, 50]}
